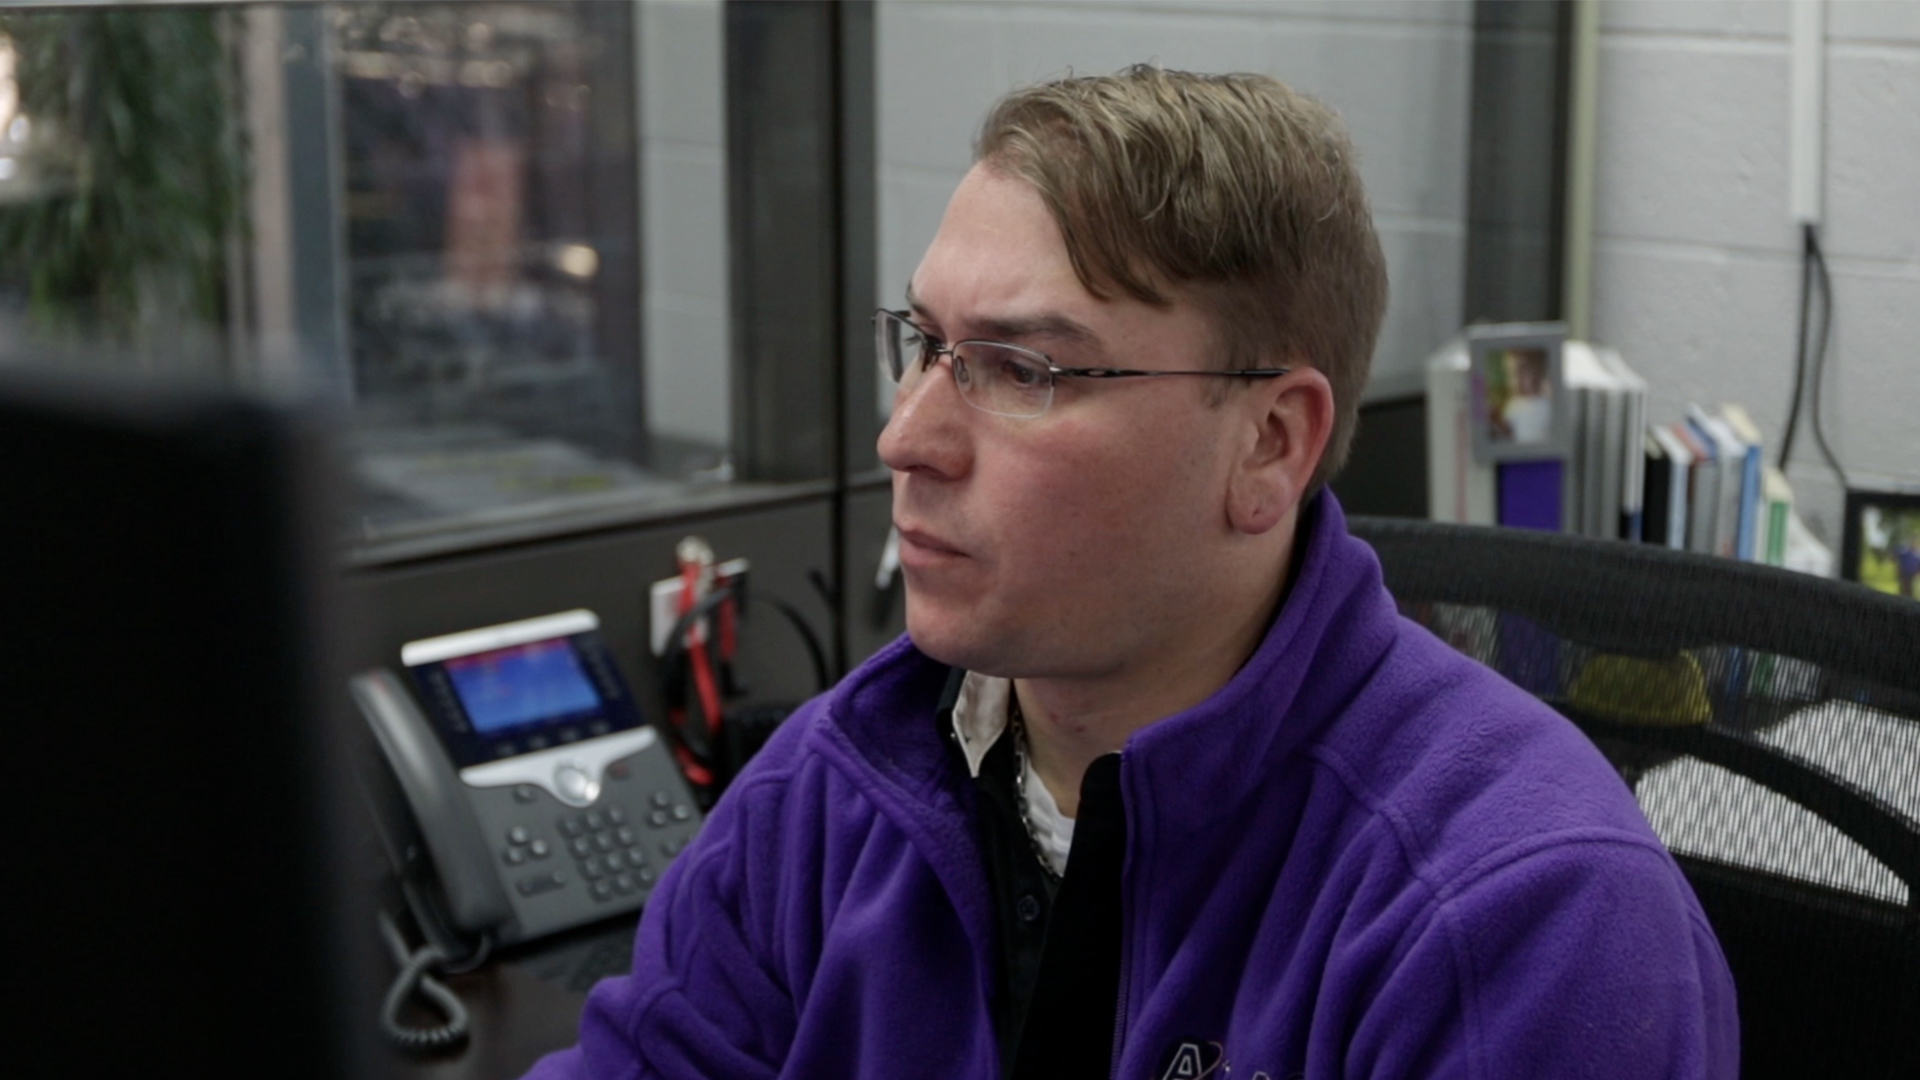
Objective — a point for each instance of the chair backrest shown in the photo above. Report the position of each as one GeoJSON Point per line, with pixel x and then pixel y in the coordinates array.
{"type": "Point", "coordinates": [1769, 724]}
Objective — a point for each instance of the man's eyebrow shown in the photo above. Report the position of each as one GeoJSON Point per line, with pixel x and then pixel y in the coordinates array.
{"type": "Point", "coordinates": [1017, 327]}
{"type": "Point", "coordinates": [1052, 326]}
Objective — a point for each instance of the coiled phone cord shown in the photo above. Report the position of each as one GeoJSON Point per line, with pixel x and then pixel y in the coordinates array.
{"type": "Point", "coordinates": [415, 974]}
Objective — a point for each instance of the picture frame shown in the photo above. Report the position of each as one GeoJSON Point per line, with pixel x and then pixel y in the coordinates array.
{"type": "Point", "coordinates": [1520, 408]}
{"type": "Point", "coordinates": [1880, 547]}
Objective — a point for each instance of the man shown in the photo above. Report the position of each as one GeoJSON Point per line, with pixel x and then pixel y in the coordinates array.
{"type": "Point", "coordinates": [1159, 784]}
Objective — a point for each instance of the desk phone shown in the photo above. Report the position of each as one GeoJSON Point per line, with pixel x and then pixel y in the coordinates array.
{"type": "Point", "coordinates": [536, 797]}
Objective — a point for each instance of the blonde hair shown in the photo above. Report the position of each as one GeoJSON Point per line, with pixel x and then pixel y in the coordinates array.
{"type": "Point", "coordinates": [1232, 189]}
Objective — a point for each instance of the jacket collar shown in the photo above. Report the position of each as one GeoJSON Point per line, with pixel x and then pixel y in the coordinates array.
{"type": "Point", "coordinates": [1335, 623]}
{"type": "Point", "coordinates": [1333, 628]}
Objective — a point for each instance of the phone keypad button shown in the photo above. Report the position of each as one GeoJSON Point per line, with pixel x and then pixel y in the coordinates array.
{"type": "Point", "coordinates": [539, 849]}
{"type": "Point", "coordinates": [657, 818]}
{"type": "Point", "coordinates": [536, 884]}
{"type": "Point", "coordinates": [682, 812]}
{"type": "Point", "coordinates": [514, 856]}
{"type": "Point", "coordinates": [518, 835]}
{"type": "Point", "coordinates": [661, 800]}
{"type": "Point", "coordinates": [524, 793]}
{"type": "Point", "coordinates": [609, 852]}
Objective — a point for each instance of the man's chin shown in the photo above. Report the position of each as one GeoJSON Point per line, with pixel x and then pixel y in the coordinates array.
{"type": "Point", "coordinates": [957, 644]}
{"type": "Point", "coordinates": [945, 648]}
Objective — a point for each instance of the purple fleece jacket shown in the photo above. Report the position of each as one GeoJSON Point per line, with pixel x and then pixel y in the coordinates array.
{"type": "Point", "coordinates": [1365, 856]}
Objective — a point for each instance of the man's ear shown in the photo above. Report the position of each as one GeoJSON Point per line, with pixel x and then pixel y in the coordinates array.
{"type": "Point", "coordinates": [1287, 422]}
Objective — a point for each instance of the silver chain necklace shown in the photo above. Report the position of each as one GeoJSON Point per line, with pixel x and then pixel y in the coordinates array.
{"type": "Point", "coordinates": [1018, 722]}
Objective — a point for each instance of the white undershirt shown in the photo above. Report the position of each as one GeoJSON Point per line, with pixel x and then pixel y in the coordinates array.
{"type": "Point", "coordinates": [979, 719]}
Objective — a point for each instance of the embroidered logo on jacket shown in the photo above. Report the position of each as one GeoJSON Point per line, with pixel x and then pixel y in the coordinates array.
{"type": "Point", "coordinates": [1196, 1059]}
{"type": "Point", "coordinates": [1192, 1059]}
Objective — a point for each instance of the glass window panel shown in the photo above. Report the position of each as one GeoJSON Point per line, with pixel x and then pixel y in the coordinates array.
{"type": "Point", "coordinates": [496, 231]}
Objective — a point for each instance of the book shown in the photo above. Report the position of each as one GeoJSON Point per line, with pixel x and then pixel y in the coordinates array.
{"type": "Point", "coordinates": [1532, 494]}
{"type": "Point", "coordinates": [1730, 460]}
{"type": "Point", "coordinates": [1703, 486]}
{"type": "Point", "coordinates": [1678, 458]}
{"type": "Point", "coordinates": [1657, 470]}
{"type": "Point", "coordinates": [1777, 504]}
{"type": "Point", "coordinates": [1460, 489]}
{"type": "Point", "coordinates": [1751, 528]}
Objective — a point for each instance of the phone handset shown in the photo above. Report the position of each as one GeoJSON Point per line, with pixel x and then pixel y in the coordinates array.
{"type": "Point", "coordinates": [475, 900]}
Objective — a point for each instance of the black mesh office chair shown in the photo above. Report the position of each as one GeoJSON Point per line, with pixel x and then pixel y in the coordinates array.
{"type": "Point", "coordinates": [1769, 724]}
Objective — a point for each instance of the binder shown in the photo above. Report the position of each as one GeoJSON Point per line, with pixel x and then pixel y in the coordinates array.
{"type": "Point", "coordinates": [1606, 461]}
{"type": "Point", "coordinates": [1592, 389]}
{"type": "Point", "coordinates": [1632, 437]}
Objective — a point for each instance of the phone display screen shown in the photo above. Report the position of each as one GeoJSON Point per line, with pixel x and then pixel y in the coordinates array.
{"type": "Point", "coordinates": [522, 684]}
{"type": "Point", "coordinates": [520, 688]}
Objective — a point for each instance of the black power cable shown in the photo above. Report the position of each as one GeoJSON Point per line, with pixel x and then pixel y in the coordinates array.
{"type": "Point", "coordinates": [1810, 354]}
{"type": "Point", "coordinates": [1800, 344]}
{"type": "Point", "coordinates": [816, 652]}
{"type": "Point", "coordinates": [1820, 352]}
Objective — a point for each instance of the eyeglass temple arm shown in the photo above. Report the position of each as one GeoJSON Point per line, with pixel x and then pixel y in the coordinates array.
{"type": "Point", "coordinates": [1126, 373]}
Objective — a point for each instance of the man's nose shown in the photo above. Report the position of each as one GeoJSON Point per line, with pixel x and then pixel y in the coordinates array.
{"type": "Point", "coordinates": [928, 430]}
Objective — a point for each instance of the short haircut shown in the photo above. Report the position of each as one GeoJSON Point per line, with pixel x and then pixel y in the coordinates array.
{"type": "Point", "coordinates": [1232, 189]}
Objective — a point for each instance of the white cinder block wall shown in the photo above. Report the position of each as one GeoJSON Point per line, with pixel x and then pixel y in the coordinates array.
{"type": "Point", "coordinates": [1695, 277]}
{"type": "Point", "coordinates": [1696, 271]}
{"type": "Point", "coordinates": [683, 135]}
{"type": "Point", "coordinates": [1397, 71]}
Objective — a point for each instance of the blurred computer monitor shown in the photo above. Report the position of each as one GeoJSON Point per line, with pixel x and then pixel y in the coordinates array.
{"type": "Point", "coordinates": [188, 878]}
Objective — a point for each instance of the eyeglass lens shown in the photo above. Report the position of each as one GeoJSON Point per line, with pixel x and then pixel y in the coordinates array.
{"type": "Point", "coordinates": [994, 378]}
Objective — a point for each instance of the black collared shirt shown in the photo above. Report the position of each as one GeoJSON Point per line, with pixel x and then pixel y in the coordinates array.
{"type": "Point", "coordinates": [1059, 971]}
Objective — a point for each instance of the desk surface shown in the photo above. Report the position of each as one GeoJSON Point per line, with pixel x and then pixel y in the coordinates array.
{"type": "Point", "coordinates": [524, 1005]}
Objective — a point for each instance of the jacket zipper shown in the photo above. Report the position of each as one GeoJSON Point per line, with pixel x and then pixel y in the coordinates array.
{"type": "Point", "coordinates": [1126, 931]}
{"type": "Point", "coordinates": [1120, 1013]}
